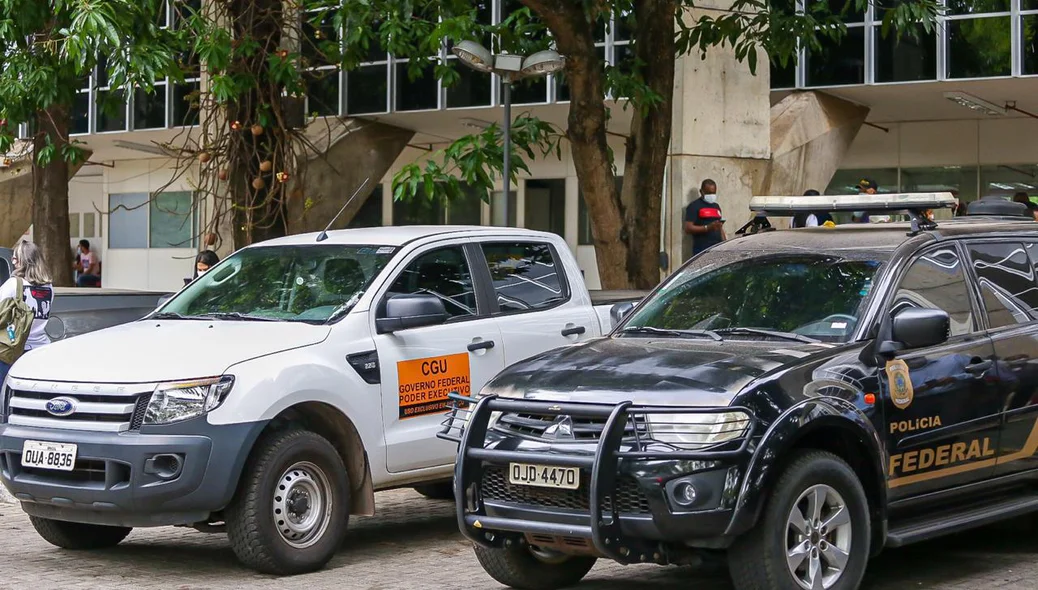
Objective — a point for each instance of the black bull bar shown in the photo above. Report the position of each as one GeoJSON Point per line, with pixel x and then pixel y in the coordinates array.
{"type": "Point", "coordinates": [470, 434]}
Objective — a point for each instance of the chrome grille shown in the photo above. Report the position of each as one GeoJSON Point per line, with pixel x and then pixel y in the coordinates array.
{"type": "Point", "coordinates": [629, 497]}
{"type": "Point", "coordinates": [96, 407]}
{"type": "Point", "coordinates": [583, 429]}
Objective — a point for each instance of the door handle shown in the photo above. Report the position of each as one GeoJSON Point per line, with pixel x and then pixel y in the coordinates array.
{"type": "Point", "coordinates": [979, 367]}
{"type": "Point", "coordinates": [484, 345]}
{"type": "Point", "coordinates": [574, 331]}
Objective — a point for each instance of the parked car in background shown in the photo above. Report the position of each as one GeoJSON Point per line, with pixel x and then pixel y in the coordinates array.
{"type": "Point", "coordinates": [78, 311]}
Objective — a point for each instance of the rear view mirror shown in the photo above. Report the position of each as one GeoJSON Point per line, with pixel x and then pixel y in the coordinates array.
{"type": "Point", "coordinates": [917, 327]}
{"type": "Point", "coordinates": [619, 311]}
{"type": "Point", "coordinates": [411, 311]}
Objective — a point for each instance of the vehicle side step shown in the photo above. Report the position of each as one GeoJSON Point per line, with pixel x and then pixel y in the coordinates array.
{"type": "Point", "coordinates": [942, 523]}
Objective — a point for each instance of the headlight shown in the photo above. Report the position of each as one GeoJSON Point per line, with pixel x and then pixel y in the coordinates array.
{"type": "Point", "coordinates": [695, 431]}
{"type": "Point", "coordinates": [180, 400]}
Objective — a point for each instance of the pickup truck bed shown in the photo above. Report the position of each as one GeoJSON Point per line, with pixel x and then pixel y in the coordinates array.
{"type": "Point", "coordinates": [617, 296]}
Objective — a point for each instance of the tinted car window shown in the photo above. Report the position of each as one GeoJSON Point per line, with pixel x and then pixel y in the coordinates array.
{"type": "Point", "coordinates": [310, 283]}
{"type": "Point", "coordinates": [443, 273]}
{"type": "Point", "coordinates": [1006, 280]}
{"type": "Point", "coordinates": [526, 276]}
{"type": "Point", "coordinates": [936, 281]}
{"type": "Point", "coordinates": [806, 294]}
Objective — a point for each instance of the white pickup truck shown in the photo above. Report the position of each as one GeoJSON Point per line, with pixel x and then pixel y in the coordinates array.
{"type": "Point", "coordinates": [274, 395]}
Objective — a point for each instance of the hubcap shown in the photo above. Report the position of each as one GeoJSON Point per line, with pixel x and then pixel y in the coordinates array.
{"type": "Point", "coordinates": [818, 538]}
{"type": "Point", "coordinates": [302, 504]}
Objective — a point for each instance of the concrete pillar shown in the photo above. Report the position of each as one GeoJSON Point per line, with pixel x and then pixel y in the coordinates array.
{"type": "Point", "coordinates": [810, 135]}
{"type": "Point", "coordinates": [350, 151]}
{"type": "Point", "coordinates": [721, 131]}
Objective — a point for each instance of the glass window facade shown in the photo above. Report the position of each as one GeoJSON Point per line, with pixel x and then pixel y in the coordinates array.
{"type": "Point", "coordinates": [971, 39]}
{"type": "Point", "coordinates": [968, 183]}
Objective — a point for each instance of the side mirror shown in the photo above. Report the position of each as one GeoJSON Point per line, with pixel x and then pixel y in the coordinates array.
{"type": "Point", "coordinates": [411, 311]}
{"type": "Point", "coordinates": [917, 327]}
{"type": "Point", "coordinates": [619, 311]}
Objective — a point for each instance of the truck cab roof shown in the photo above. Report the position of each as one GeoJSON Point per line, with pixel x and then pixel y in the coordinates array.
{"type": "Point", "coordinates": [401, 235]}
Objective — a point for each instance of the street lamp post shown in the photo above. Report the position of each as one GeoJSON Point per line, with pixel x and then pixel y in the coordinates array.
{"type": "Point", "coordinates": [511, 68]}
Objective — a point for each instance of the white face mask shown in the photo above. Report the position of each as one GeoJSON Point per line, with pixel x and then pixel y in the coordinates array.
{"type": "Point", "coordinates": [712, 199]}
{"type": "Point", "coordinates": [202, 272]}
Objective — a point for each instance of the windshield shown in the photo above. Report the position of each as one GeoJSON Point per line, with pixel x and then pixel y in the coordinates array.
{"type": "Point", "coordinates": [287, 283]}
{"type": "Point", "coordinates": [793, 296]}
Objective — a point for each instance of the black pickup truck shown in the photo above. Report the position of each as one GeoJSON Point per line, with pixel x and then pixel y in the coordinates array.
{"type": "Point", "coordinates": [793, 401]}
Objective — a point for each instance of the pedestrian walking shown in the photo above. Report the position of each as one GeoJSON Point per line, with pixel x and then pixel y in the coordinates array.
{"type": "Point", "coordinates": [25, 303]}
{"type": "Point", "coordinates": [703, 218]}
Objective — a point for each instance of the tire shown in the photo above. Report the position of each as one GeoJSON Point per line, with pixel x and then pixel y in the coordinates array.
{"type": "Point", "coordinates": [310, 472]}
{"type": "Point", "coordinates": [757, 560]}
{"type": "Point", "coordinates": [437, 491]}
{"type": "Point", "coordinates": [78, 536]}
{"type": "Point", "coordinates": [519, 567]}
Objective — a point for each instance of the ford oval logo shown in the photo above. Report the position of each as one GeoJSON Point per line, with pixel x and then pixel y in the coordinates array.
{"type": "Point", "coordinates": [61, 406]}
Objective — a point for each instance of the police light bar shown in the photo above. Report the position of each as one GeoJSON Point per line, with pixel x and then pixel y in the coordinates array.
{"type": "Point", "coordinates": [889, 202]}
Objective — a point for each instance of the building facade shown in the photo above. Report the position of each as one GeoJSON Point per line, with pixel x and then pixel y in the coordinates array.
{"type": "Point", "coordinates": [950, 109]}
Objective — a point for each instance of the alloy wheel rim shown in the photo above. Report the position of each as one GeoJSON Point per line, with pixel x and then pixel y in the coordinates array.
{"type": "Point", "coordinates": [818, 538]}
{"type": "Point", "coordinates": [302, 506]}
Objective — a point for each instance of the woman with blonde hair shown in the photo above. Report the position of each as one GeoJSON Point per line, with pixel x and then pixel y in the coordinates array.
{"type": "Point", "coordinates": [37, 293]}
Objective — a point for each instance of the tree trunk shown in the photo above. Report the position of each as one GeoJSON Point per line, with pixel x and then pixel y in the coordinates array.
{"type": "Point", "coordinates": [259, 209]}
{"type": "Point", "coordinates": [50, 196]}
{"type": "Point", "coordinates": [646, 154]}
{"type": "Point", "coordinates": [626, 230]}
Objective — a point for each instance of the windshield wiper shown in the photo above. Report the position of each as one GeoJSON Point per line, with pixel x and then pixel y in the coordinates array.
{"type": "Point", "coordinates": [234, 315]}
{"type": "Point", "coordinates": [171, 315]}
{"type": "Point", "coordinates": [673, 333]}
{"type": "Point", "coordinates": [770, 334]}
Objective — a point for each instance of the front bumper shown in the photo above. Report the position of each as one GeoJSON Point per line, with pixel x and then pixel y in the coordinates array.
{"type": "Point", "coordinates": [628, 511]}
{"type": "Point", "coordinates": [116, 480]}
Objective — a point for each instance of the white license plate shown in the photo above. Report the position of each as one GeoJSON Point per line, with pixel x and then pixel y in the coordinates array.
{"type": "Point", "coordinates": [48, 455]}
{"type": "Point", "coordinates": [544, 476]}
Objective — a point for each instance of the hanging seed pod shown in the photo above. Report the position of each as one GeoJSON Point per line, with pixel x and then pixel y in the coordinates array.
{"type": "Point", "coordinates": [257, 130]}
{"type": "Point", "coordinates": [222, 175]}
{"type": "Point", "coordinates": [282, 176]}
{"type": "Point", "coordinates": [258, 184]}
{"type": "Point", "coordinates": [266, 166]}
{"type": "Point", "coordinates": [204, 157]}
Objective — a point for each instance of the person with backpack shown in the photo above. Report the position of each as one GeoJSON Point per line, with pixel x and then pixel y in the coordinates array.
{"type": "Point", "coordinates": [25, 303]}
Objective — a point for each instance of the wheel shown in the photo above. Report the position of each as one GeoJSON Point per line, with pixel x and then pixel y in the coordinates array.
{"type": "Point", "coordinates": [76, 535]}
{"type": "Point", "coordinates": [437, 491]}
{"type": "Point", "coordinates": [290, 511]}
{"type": "Point", "coordinates": [813, 534]}
{"type": "Point", "coordinates": [526, 568]}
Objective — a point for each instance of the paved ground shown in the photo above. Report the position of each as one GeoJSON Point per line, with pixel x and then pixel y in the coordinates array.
{"type": "Point", "coordinates": [414, 543]}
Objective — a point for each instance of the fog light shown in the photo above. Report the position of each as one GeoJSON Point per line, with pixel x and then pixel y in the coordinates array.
{"type": "Point", "coordinates": [685, 493]}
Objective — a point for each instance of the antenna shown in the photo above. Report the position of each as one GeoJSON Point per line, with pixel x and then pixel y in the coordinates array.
{"type": "Point", "coordinates": [324, 234]}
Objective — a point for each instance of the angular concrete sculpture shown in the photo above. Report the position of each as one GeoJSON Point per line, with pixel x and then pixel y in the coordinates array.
{"type": "Point", "coordinates": [811, 133]}
{"type": "Point", "coordinates": [343, 154]}
{"type": "Point", "coordinates": [16, 191]}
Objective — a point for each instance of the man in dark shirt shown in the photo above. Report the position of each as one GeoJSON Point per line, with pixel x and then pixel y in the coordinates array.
{"type": "Point", "coordinates": [703, 219]}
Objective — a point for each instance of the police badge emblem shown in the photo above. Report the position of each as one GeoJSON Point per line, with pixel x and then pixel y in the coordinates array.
{"type": "Point", "coordinates": [901, 392]}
